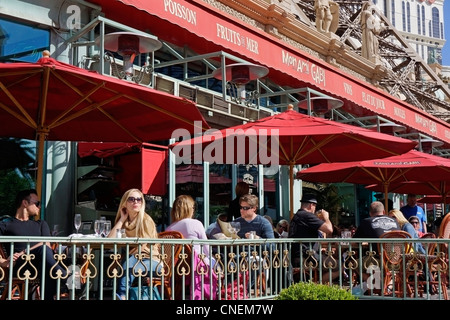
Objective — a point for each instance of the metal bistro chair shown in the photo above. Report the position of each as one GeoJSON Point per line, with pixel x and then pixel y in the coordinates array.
{"type": "Point", "coordinates": [392, 259]}
{"type": "Point", "coordinates": [429, 247]}
{"type": "Point", "coordinates": [172, 262]}
{"type": "Point", "coordinates": [17, 287]}
{"type": "Point", "coordinates": [439, 266]}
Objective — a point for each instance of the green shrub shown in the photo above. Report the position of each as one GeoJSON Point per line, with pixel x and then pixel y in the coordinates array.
{"type": "Point", "coordinates": [314, 291]}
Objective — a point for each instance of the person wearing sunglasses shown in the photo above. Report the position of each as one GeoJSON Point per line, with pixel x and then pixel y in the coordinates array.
{"type": "Point", "coordinates": [250, 220]}
{"type": "Point", "coordinates": [283, 228]}
{"type": "Point", "coordinates": [26, 222]}
{"type": "Point", "coordinates": [416, 224]}
{"type": "Point", "coordinates": [254, 226]}
{"type": "Point", "coordinates": [132, 217]}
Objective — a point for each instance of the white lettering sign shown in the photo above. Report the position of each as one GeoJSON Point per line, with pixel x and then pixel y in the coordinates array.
{"type": "Point", "coordinates": [447, 134]}
{"type": "Point", "coordinates": [180, 11]}
{"type": "Point", "coordinates": [426, 123]}
{"type": "Point", "coordinates": [399, 113]}
{"type": "Point", "coordinates": [236, 38]}
{"type": "Point", "coordinates": [318, 74]}
{"type": "Point", "coordinates": [348, 88]}
{"type": "Point", "coordinates": [373, 101]}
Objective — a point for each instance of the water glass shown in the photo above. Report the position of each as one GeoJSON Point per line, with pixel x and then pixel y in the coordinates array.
{"type": "Point", "coordinates": [346, 234]}
{"type": "Point", "coordinates": [107, 228]}
{"type": "Point", "coordinates": [77, 221]}
{"type": "Point", "coordinates": [99, 227]}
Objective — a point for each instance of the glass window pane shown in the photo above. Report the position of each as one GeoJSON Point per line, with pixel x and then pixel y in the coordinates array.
{"type": "Point", "coordinates": [20, 42]}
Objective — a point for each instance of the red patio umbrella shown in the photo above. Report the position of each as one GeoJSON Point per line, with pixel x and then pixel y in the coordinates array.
{"type": "Point", "coordinates": [194, 173]}
{"type": "Point", "coordinates": [386, 173]}
{"type": "Point", "coordinates": [106, 149]}
{"type": "Point", "coordinates": [435, 199]}
{"type": "Point", "coordinates": [289, 138]}
{"type": "Point", "coordinates": [51, 100]}
{"type": "Point", "coordinates": [434, 189]}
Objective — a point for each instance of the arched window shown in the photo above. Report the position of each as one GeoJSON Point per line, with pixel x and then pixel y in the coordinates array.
{"type": "Point", "coordinates": [436, 30]}
{"type": "Point", "coordinates": [418, 20]}
{"type": "Point", "coordinates": [408, 16]}
{"type": "Point", "coordinates": [393, 12]}
{"type": "Point", "coordinates": [423, 20]}
{"type": "Point", "coordinates": [403, 16]}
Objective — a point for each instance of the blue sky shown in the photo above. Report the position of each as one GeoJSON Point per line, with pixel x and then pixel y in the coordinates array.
{"type": "Point", "coordinates": [446, 49]}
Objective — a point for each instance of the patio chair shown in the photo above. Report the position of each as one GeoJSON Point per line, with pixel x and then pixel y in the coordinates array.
{"type": "Point", "coordinates": [429, 247]}
{"type": "Point", "coordinates": [172, 263]}
{"type": "Point", "coordinates": [439, 266]}
{"type": "Point", "coordinates": [17, 287]}
{"type": "Point", "coordinates": [444, 229]}
{"type": "Point", "coordinates": [392, 261]}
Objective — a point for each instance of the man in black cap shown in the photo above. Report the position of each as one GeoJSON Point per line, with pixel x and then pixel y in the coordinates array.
{"type": "Point", "coordinates": [306, 224]}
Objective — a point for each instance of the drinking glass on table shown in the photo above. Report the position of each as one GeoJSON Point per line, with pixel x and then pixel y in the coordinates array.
{"type": "Point", "coordinates": [99, 227]}
{"type": "Point", "coordinates": [346, 234]}
{"type": "Point", "coordinates": [107, 228]}
{"type": "Point", "coordinates": [77, 221]}
{"type": "Point", "coordinates": [234, 228]}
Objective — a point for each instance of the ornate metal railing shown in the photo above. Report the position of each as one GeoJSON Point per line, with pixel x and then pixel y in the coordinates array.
{"type": "Point", "coordinates": [90, 268]}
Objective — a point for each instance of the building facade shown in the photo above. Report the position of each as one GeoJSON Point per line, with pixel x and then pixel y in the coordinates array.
{"type": "Point", "coordinates": [393, 87]}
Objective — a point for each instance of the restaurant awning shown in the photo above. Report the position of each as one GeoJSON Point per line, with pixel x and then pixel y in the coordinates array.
{"type": "Point", "coordinates": [207, 29]}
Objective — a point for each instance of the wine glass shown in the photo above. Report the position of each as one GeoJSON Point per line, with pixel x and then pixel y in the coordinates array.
{"type": "Point", "coordinates": [77, 221]}
{"type": "Point", "coordinates": [234, 228]}
{"type": "Point", "coordinates": [99, 227]}
{"type": "Point", "coordinates": [107, 228]}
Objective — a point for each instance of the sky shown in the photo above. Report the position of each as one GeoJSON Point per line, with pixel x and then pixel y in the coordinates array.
{"type": "Point", "coordinates": [446, 49]}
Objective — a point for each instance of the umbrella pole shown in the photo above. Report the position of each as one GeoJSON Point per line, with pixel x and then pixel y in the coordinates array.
{"type": "Point", "coordinates": [386, 207]}
{"type": "Point", "coordinates": [40, 163]}
{"type": "Point", "coordinates": [291, 190]}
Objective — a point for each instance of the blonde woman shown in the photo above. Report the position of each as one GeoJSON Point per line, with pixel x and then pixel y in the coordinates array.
{"type": "Point", "coordinates": [182, 217]}
{"type": "Point", "coordinates": [132, 217]}
{"type": "Point", "coordinates": [405, 225]}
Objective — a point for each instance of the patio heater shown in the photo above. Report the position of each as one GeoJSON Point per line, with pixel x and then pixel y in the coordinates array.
{"type": "Point", "coordinates": [237, 75]}
{"type": "Point", "coordinates": [320, 105]}
{"type": "Point", "coordinates": [389, 128]}
{"type": "Point", "coordinates": [129, 45]}
{"type": "Point", "coordinates": [427, 145]}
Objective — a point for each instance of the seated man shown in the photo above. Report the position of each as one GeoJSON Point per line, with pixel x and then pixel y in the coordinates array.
{"type": "Point", "coordinates": [23, 224]}
{"type": "Point", "coordinates": [373, 227]}
{"type": "Point", "coordinates": [306, 224]}
{"type": "Point", "coordinates": [377, 224]}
